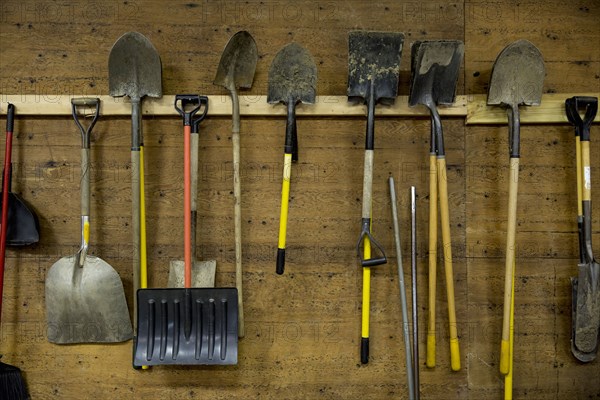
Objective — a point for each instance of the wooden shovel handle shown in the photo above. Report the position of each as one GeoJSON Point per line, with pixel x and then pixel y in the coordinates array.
{"type": "Point", "coordinates": [509, 263]}
{"type": "Point", "coordinates": [447, 243]}
{"type": "Point", "coordinates": [433, 228]}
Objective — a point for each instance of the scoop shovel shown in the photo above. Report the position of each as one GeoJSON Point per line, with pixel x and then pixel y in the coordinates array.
{"type": "Point", "coordinates": [517, 78]}
{"type": "Point", "coordinates": [373, 74]}
{"type": "Point", "coordinates": [134, 70]}
{"type": "Point", "coordinates": [203, 272]}
{"type": "Point", "coordinates": [586, 286]}
{"type": "Point", "coordinates": [85, 300]}
{"type": "Point", "coordinates": [435, 67]}
{"type": "Point", "coordinates": [292, 79]}
{"type": "Point", "coordinates": [236, 71]}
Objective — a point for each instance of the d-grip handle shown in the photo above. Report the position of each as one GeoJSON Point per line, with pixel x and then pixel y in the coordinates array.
{"type": "Point", "coordinates": [371, 261]}
{"type": "Point", "coordinates": [190, 105]}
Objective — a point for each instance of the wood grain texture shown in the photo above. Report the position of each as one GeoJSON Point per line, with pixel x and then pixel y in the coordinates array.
{"type": "Point", "coordinates": [302, 328]}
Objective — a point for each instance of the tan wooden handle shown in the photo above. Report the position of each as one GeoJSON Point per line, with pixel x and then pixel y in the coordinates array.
{"type": "Point", "coordinates": [433, 227]}
{"type": "Point", "coordinates": [367, 184]}
{"type": "Point", "coordinates": [237, 209]}
{"type": "Point", "coordinates": [447, 243]}
{"type": "Point", "coordinates": [510, 261]}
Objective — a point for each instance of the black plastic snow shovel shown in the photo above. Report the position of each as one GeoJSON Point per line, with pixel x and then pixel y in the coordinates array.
{"type": "Point", "coordinates": [586, 286]}
{"type": "Point", "coordinates": [23, 226]}
{"type": "Point", "coordinates": [435, 67]}
{"type": "Point", "coordinates": [188, 326]}
{"type": "Point", "coordinates": [292, 79]}
{"type": "Point", "coordinates": [517, 78]}
{"type": "Point", "coordinates": [373, 74]}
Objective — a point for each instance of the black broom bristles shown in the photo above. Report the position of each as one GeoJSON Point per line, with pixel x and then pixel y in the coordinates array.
{"type": "Point", "coordinates": [12, 384]}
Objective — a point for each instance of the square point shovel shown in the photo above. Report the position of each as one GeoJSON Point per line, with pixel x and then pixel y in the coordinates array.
{"type": "Point", "coordinates": [435, 66]}
{"type": "Point", "coordinates": [188, 326]}
{"type": "Point", "coordinates": [373, 74]}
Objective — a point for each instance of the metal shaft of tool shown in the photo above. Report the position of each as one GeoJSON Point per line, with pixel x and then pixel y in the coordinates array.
{"type": "Point", "coordinates": [413, 261]}
{"type": "Point", "coordinates": [405, 324]}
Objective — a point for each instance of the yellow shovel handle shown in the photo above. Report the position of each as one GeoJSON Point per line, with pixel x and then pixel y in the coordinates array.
{"type": "Point", "coordinates": [283, 217]}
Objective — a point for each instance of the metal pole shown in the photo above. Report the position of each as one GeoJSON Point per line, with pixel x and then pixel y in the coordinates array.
{"type": "Point", "coordinates": [413, 259]}
{"type": "Point", "coordinates": [405, 328]}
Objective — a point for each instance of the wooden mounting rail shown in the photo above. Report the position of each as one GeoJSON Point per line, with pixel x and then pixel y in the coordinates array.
{"type": "Point", "coordinates": [471, 107]}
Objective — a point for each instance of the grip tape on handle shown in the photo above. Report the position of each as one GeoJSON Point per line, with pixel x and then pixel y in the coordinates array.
{"type": "Point", "coordinates": [10, 118]}
{"type": "Point", "coordinates": [280, 261]}
{"type": "Point", "coordinates": [364, 350]}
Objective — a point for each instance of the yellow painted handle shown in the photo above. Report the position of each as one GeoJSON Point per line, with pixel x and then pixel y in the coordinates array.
{"type": "Point", "coordinates": [143, 257]}
{"type": "Point", "coordinates": [586, 175]}
{"type": "Point", "coordinates": [285, 198]}
{"type": "Point", "coordinates": [430, 350]}
{"type": "Point", "coordinates": [433, 228]}
{"type": "Point", "coordinates": [579, 175]}
{"type": "Point", "coordinates": [366, 290]}
{"type": "Point", "coordinates": [447, 243]}
{"type": "Point", "coordinates": [86, 233]}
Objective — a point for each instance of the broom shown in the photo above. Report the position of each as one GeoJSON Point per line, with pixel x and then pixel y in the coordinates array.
{"type": "Point", "coordinates": [12, 385]}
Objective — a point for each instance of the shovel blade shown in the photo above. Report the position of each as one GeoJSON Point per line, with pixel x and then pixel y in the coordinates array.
{"type": "Point", "coordinates": [134, 68]}
{"type": "Point", "coordinates": [238, 62]}
{"type": "Point", "coordinates": [22, 228]}
{"type": "Point", "coordinates": [210, 317]}
{"type": "Point", "coordinates": [292, 76]}
{"type": "Point", "coordinates": [203, 274]}
{"type": "Point", "coordinates": [435, 66]}
{"type": "Point", "coordinates": [587, 308]}
{"type": "Point", "coordinates": [86, 304]}
{"type": "Point", "coordinates": [517, 76]}
{"type": "Point", "coordinates": [374, 61]}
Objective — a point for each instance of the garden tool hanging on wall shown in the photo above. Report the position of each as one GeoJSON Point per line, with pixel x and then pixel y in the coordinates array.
{"type": "Point", "coordinates": [292, 79]}
{"type": "Point", "coordinates": [435, 66]}
{"type": "Point", "coordinates": [373, 74]}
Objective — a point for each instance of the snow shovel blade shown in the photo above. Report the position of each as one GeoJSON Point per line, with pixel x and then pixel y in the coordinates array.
{"type": "Point", "coordinates": [86, 304]}
{"type": "Point", "coordinates": [187, 327]}
{"type": "Point", "coordinates": [238, 62]}
{"type": "Point", "coordinates": [203, 274]}
{"type": "Point", "coordinates": [517, 76]}
{"type": "Point", "coordinates": [134, 68]}
{"type": "Point", "coordinates": [435, 68]}
{"type": "Point", "coordinates": [292, 76]}
{"type": "Point", "coordinates": [374, 62]}
{"type": "Point", "coordinates": [22, 228]}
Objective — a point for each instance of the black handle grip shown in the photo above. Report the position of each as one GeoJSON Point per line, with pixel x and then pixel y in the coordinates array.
{"type": "Point", "coordinates": [201, 114]}
{"type": "Point", "coordinates": [10, 117]}
{"type": "Point", "coordinates": [185, 110]}
{"type": "Point", "coordinates": [364, 350]}
{"type": "Point", "coordinates": [373, 262]}
{"type": "Point", "coordinates": [280, 261]}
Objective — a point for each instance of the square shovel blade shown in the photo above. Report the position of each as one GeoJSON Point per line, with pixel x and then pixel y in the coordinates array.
{"type": "Point", "coordinates": [197, 326]}
{"type": "Point", "coordinates": [374, 62]}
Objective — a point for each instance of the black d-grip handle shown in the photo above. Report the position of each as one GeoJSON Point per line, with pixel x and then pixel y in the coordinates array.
{"type": "Point", "coordinates": [201, 115]}
{"type": "Point", "coordinates": [373, 262]}
{"type": "Point", "coordinates": [280, 261]}
{"type": "Point", "coordinates": [10, 117]}
{"type": "Point", "coordinates": [187, 101]}
{"type": "Point", "coordinates": [366, 231]}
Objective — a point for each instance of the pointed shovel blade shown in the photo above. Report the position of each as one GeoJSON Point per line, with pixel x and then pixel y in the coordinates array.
{"type": "Point", "coordinates": [134, 68]}
{"type": "Point", "coordinates": [238, 62]}
{"type": "Point", "coordinates": [292, 76]}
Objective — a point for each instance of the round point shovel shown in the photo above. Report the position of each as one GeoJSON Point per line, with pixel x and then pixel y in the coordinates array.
{"type": "Point", "coordinates": [517, 78]}
{"type": "Point", "coordinates": [236, 70]}
{"type": "Point", "coordinates": [85, 300]}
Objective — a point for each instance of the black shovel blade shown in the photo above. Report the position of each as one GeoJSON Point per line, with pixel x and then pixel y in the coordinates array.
{"type": "Point", "coordinates": [197, 326]}
{"type": "Point", "coordinates": [517, 76]}
{"type": "Point", "coordinates": [292, 76]}
{"type": "Point", "coordinates": [22, 228]}
{"type": "Point", "coordinates": [374, 61]}
{"type": "Point", "coordinates": [434, 71]}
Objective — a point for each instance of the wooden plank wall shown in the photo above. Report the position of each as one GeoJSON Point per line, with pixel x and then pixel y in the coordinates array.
{"type": "Point", "coordinates": [303, 328]}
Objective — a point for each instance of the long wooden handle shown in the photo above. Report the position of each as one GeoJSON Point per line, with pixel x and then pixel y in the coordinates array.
{"type": "Point", "coordinates": [367, 187]}
{"type": "Point", "coordinates": [433, 228]}
{"type": "Point", "coordinates": [237, 194]}
{"type": "Point", "coordinates": [447, 243]}
{"type": "Point", "coordinates": [135, 222]}
{"type": "Point", "coordinates": [510, 260]}
{"type": "Point", "coordinates": [508, 379]}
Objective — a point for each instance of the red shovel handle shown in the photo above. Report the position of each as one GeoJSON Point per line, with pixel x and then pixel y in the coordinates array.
{"type": "Point", "coordinates": [10, 117]}
{"type": "Point", "coordinates": [187, 206]}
